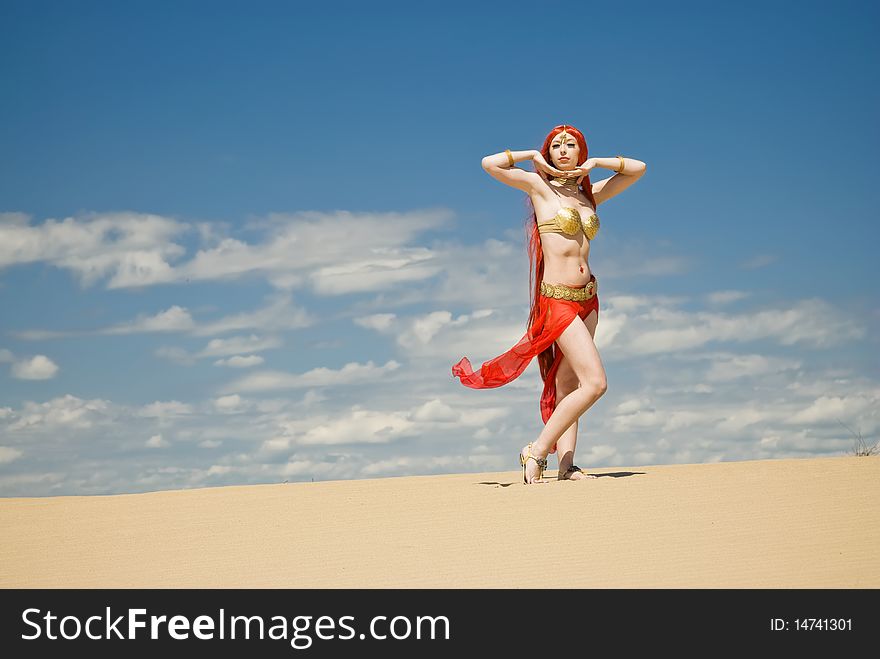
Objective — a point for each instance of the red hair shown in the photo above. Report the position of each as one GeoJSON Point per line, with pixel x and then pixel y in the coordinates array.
{"type": "Point", "coordinates": [536, 254]}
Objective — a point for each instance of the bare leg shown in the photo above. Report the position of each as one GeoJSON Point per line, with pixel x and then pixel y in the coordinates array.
{"type": "Point", "coordinates": [576, 343]}
{"type": "Point", "coordinates": [565, 451]}
{"type": "Point", "coordinates": [566, 444]}
{"type": "Point", "coordinates": [565, 447]}
{"type": "Point", "coordinates": [567, 382]}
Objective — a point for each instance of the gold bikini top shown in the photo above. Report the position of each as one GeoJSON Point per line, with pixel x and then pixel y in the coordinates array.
{"type": "Point", "coordinates": [568, 221]}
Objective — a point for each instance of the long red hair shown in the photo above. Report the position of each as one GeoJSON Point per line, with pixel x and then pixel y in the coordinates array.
{"type": "Point", "coordinates": [536, 254]}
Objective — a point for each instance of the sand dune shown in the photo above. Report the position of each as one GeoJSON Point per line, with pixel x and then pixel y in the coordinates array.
{"type": "Point", "coordinates": [771, 523]}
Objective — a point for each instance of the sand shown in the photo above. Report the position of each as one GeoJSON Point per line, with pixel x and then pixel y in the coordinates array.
{"type": "Point", "coordinates": [809, 523]}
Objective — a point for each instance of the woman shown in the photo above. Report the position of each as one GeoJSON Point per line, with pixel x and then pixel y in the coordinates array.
{"type": "Point", "coordinates": [564, 302]}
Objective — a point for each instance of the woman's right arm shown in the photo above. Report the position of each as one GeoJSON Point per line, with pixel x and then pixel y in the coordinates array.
{"type": "Point", "coordinates": [498, 165]}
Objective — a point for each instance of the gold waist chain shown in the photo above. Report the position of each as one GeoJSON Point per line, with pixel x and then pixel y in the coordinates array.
{"type": "Point", "coordinates": [563, 292]}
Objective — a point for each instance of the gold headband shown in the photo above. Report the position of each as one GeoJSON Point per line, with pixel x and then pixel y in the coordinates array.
{"type": "Point", "coordinates": [563, 135]}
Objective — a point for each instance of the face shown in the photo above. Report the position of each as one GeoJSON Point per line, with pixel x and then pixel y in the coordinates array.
{"type": "Point", "coordinates": [564, 151]}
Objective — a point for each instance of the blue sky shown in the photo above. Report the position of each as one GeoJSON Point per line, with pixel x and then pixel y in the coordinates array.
{"type": "Point", "coordinates": [245, 242]}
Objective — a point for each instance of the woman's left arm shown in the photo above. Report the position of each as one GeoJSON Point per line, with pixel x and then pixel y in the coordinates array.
{"type": "Point", "coordinates": [621, 165]}
{"type": "Point", "coordinates": [629, 170]}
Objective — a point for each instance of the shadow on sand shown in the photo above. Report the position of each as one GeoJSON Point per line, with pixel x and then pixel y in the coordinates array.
{"type": "Point", "coordinates": [610, 474]}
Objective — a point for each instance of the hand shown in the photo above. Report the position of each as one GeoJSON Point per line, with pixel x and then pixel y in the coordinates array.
{"type": "Point", "coordinates": [582, 170]}
{"type": "Point", "coordinates": [542, 166]}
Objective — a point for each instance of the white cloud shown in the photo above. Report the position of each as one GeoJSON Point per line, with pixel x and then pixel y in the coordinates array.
{"type": "Point", "coordinates": [238, 344]}
{"type": "Point", "coordinates": [379, 322]}
{"type": "Point", "coordinates": [8, 454]}
{"type": "Point", "coordinates": [632, 426]}
{"type": "Point", "coordinates": [38, 367]}
{"type": "Point", "coordinates": [627, 255]}
{"type": "Point", "coordinates": [600, 454]}
{"type": "Point", "coordinates": [42, 482]}
{"type": "Point", "coordinates": [165, 409]}
{"type": "Point", "coordinates": [231, 346]}
{"type": "Point", "coordinates": [730, 366]}
{"type": "Point", "coordinates": [276, 444]}
{"type": "Point", "coordinates": [631, 406]}
{"type": "Point", "coordinates": [723, 297]}
{"type": "Point", "coordinates": [313, 397]}
{"type": "Point", "coordinates": [240, 361]}
{"type": "Point", "coordinates": [175, 354]}
{"type": "Point", "coordinates": [437, 335]}
{"type": "Point", "coordinates": [301, 467]}
{"type": "Point", "coordinates": [136, 249]}
{"type": "Point", "coordinates": [426, 327]}
{"type": "Point", "coordinates": [360, 426]}
{"type": "Point", "coordinates": [351, 373]}
{"type": "Point", "coordinates": [435, 410]}
{"type": "Point", "coordinates": [639, 419]}
{"type": "Point", "coordinates": [664, 330]}
{"type": "Point", "coordinates": [173, 319]}
{"type": "Point", "coordinates": [442, 464]}
{"type": "Point", "coordinates": [132, 248]}
{"type": "Point", "coordinates": [67, 412]}
{"type": "Point", "coordinates": [476, 417]}
{"type": "Point", "coordinates": [387, 268]}
{"type": "Point", "coordinates": [39, 335]}
{"type": "Point", "coordinates": [683, 419]}
{"type": "Point", "coordinates": [733, 420]}
{"type": "Point", "coordinates": [156, 441]}
{"type": "Point", "coordinates": [230, 257]}
{"type": "Point", "coordinates": [698, 388]}
{"type": "Point", "coordinates": [670, 399]}
{"type": "Point", "coordinates": [231, 403]}
{"type": "Point", "coordinates": [14, 219]}
{"type": "Point", "coordinates": [642, 414]}
{"type": "Point", "coordinates": [829, 408]}
{"type": "Point", "coordinates": [758, 261]}
{"type": "Point", "coordinates": [296, 249]}
{"type": "Point", "coordinates": [135, 268]}
{"type": "Point", "coordinates": [627, 303]}
{"type": "Point", "coordinates": [279, 315]}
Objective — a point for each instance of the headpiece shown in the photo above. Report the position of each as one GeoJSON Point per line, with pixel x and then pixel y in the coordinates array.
{"type": "Point", "coordinates": [563, 134]}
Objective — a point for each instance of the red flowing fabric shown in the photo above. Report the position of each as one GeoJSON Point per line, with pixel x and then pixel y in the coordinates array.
{"type": "Point", "coordinates": [553, 317]}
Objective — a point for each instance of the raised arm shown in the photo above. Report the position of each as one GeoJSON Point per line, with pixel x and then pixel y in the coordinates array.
{"type": "Point", "coordinates": [629, 170]}
{"type": "Point", "coordinates": [499, 166]}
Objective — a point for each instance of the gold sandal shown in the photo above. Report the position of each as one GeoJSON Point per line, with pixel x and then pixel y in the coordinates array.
{"type": "Point", "coordinates": [542, 464]}
{"type": "Point", "coordinates": [573, 468]}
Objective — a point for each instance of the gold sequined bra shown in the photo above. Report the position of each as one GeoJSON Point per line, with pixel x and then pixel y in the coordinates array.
{"type": "Point", "coordinates": [568, 221]}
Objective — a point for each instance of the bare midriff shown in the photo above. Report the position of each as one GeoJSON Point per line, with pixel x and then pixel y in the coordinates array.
{"type": "Point", "coordinates": [566, 258]}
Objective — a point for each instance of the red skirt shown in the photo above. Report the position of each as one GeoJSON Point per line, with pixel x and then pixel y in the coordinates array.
{"type": "Point", "coordinates": [553, 317]}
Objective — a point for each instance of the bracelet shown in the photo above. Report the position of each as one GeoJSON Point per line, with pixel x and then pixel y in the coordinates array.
{"type": "Point", "coordinates": [510, 159]}
{"type": "Point", "coordinates": [622, 164]}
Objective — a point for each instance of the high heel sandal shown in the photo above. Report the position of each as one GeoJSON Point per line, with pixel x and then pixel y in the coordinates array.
{"type": "Point", "coordinates": [542, 464]}
{"type": "Point", "coordinates": [566, 475]}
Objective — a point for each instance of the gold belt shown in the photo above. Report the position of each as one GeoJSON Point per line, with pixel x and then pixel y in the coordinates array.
{"type": "Point", "coordinates": [563, 292]}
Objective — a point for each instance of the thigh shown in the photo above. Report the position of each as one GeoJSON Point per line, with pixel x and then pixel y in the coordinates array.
{"type": "Point", "coordinates": [581, 358]}
{"type": "Point", "coordinates": [565, 375]}
{"type": "Point", "coordinates": [591, 321]}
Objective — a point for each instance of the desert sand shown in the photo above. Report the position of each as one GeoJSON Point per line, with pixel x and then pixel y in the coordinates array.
{"type": "Point", "coordinates": [803, 523]}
